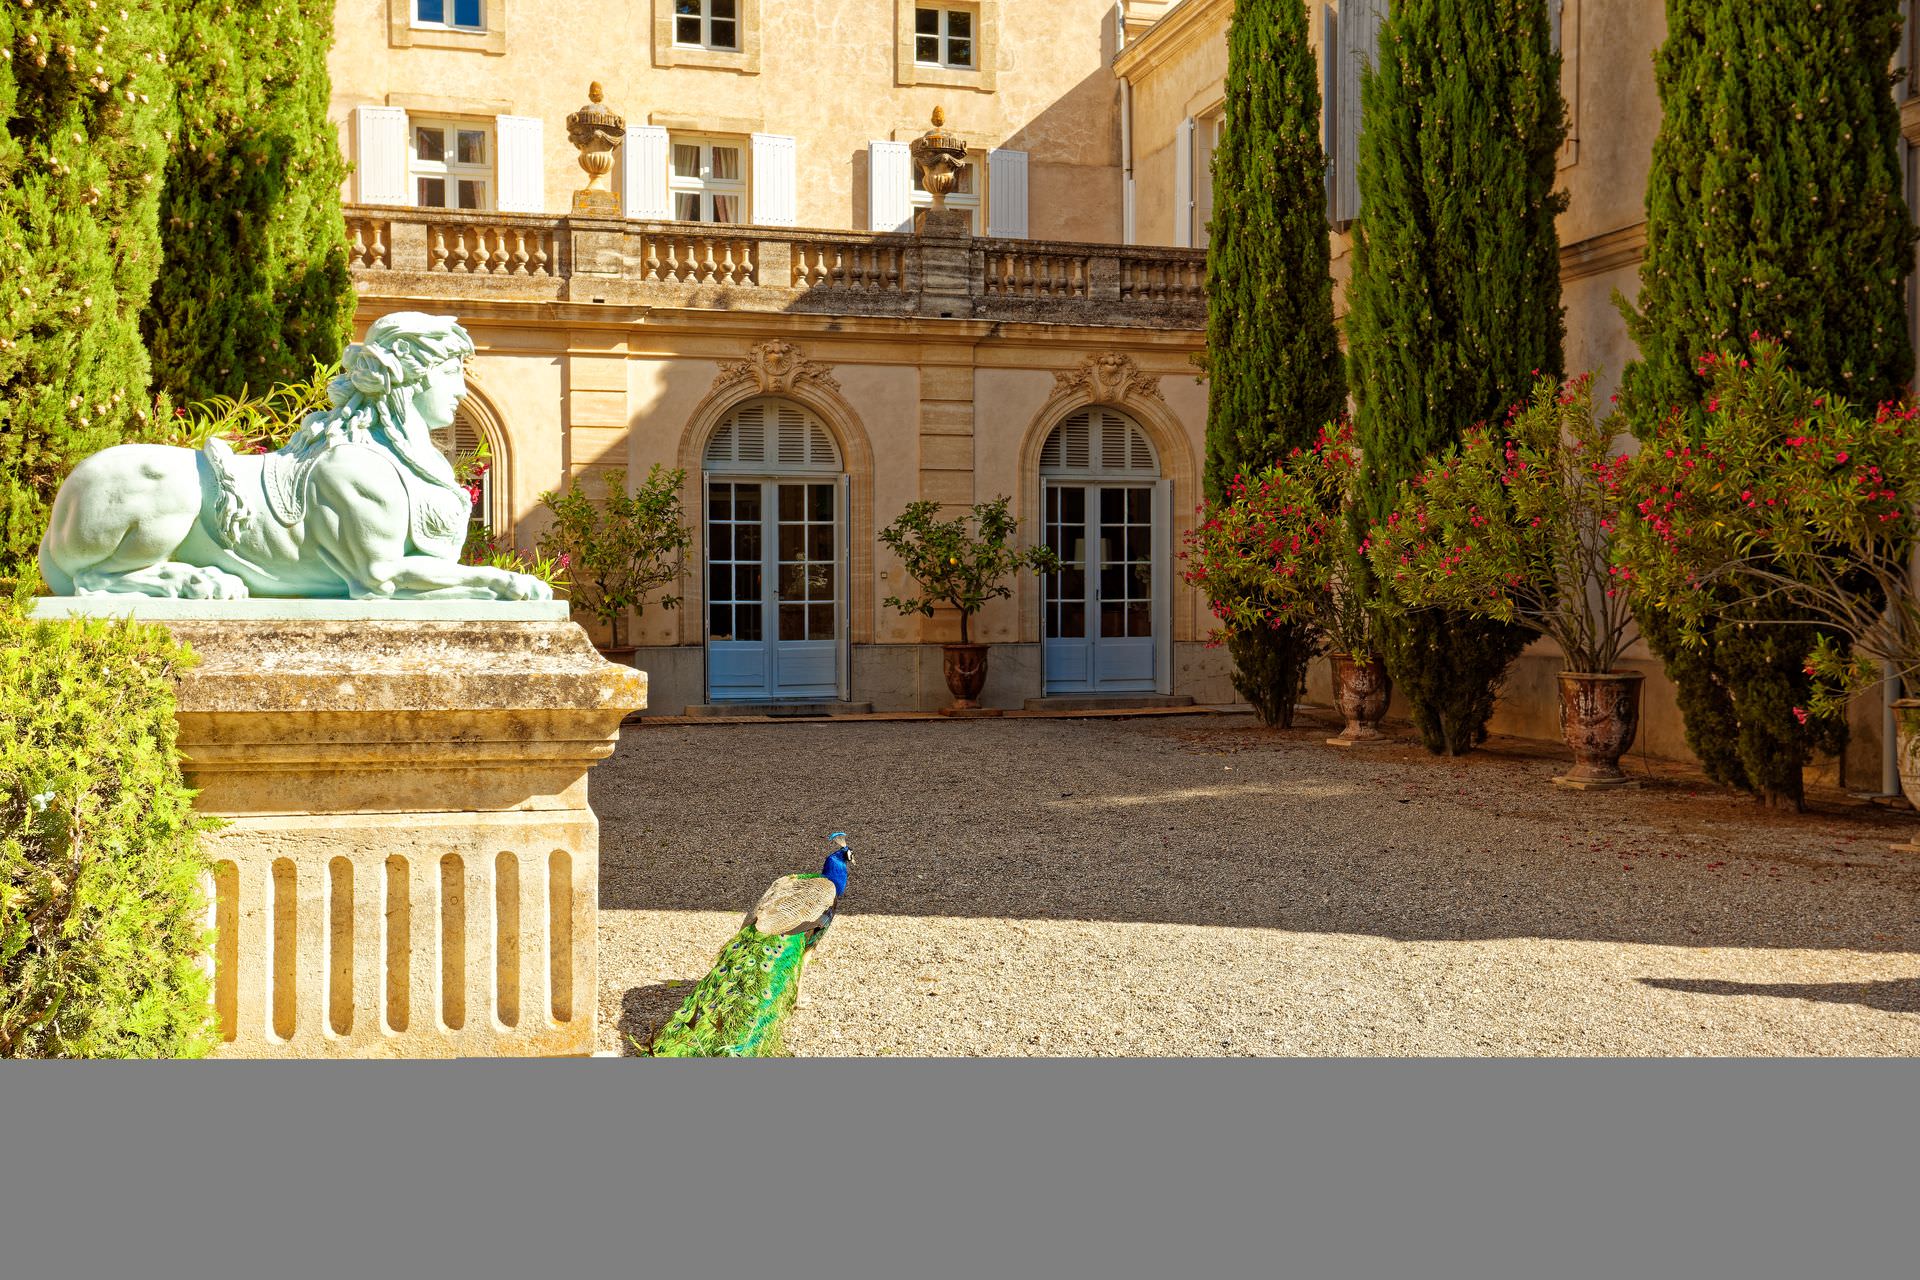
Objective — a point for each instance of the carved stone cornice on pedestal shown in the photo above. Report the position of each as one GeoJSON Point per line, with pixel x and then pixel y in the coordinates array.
{"type": "Point", "coordinates": [1111, 378]}
{"type": "Point", "coordinates": [776, 367]}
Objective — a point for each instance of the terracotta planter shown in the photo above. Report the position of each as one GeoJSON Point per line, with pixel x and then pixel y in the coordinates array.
{"type": "Point", "coordinates": [1599, 715]}
{"type": "Point", "coordinates": [1906, 718]}
{"type": "Point", "coordinates": [965, 666]}
{"type": "Point", "coordinates": [1361, 692]}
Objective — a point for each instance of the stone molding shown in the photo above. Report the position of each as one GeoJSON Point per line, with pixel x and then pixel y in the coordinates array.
{"type": "Point", "coordinates": [774, 368]}
{"type": "Point", "coordinates": [1599, 254]}
{"type": "Point", "coordinates": [463, 259]}
{"type": "Point", "coordinates": [983, 77]}
{"type": "Point", "coordinates": [1111, 378]}
{"type": "Point", "coordinates": [745, 60]}
{"type": "Point", "coordinates": [402, 34]}
{"type": "Point", "coordinates": [810, 385]}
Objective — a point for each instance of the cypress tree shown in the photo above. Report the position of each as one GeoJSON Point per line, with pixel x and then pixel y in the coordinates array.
{"type": "Point", "coordinates": [1273, 353]}
{"type": "Point", "coordinates": [1774, 205]}
{"type": "Point", "coordinates": [254, 287]}
{"type": "Point", "coordinates": [1454, 302]}
{"type": "Point", "coordinates": [89, 104]}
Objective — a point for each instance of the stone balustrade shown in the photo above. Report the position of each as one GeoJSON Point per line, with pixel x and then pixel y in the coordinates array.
{"type": "Point", "coordinates": [424, 254]}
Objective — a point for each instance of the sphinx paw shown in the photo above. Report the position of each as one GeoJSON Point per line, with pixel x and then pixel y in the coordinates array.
{"type": "Point", "coordinates": [524, 586]}
{"type": "Point", "coordinates": [207, 583]}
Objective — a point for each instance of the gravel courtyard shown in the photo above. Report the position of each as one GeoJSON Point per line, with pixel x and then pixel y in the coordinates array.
{"type": "Point", "coordinates": [1198, 886]}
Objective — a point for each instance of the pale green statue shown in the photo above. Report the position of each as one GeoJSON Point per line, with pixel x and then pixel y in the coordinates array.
{"type": "Point", "coordinates": [359, 504]}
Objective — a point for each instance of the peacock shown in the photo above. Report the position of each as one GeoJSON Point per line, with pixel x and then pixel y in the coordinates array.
{"type": "Point", "coordinates": [739, 1009]}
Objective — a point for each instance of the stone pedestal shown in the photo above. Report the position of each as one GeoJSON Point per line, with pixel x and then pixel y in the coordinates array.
{"type": "Point", "coordinates": [409, 867]}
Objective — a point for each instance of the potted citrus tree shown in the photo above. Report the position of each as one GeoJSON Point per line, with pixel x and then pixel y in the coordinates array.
{"type": "Point", "coordinates": [619, 549]}
{"type": "Point", "coordinates": [961, 563]}
{"type": "Point", "coordinates": [1281, 549]}
{"type": "Point", "coordinates": [1513, 524]}
{"type": "Point", "coordinates": [1794, 505]}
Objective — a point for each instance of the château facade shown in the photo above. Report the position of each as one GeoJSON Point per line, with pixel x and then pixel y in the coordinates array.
{"type": "Point", "coordinates": [762, 312]}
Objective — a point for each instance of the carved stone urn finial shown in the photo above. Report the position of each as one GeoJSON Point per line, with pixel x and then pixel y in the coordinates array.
{"type": "Point", "coordinates": [937, 157]}
{"type": "Point", "coordinates": [596, 130]}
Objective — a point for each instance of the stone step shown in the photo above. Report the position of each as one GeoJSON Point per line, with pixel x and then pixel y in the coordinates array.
{"type": "Point", "coordinates": [782, 710]}
{"type": "Point", "coordinates": [1109, 702]}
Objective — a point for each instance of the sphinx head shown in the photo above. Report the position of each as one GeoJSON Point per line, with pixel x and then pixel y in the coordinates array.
{"type": "Point", "coordinates": [408, 358]}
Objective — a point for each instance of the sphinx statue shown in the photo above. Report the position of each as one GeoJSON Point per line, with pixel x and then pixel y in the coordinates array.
{"type": "Point", "coordinates": [359, 504]}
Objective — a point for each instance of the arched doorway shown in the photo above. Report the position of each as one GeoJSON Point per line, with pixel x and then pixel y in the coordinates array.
{"type": "Point", "coordinates": [775, 494]}
{"type": "Point", "coordinates": [1105, 513]}
{"type": "Point", "coordinates": [472, 429]}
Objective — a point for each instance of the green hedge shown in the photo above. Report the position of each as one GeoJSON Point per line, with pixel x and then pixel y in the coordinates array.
{"type": "Point", "coordinates": [102, 918]}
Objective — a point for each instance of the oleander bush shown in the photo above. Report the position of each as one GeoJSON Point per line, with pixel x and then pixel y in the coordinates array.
{"type": "Point", "coordinates": [102, 918]}
{"type": "Point", "coordinates": [1793, 504]}
{"type": "Point", "coordinates": [1512, 524]}
{"type": "Point", "coordinates": [1281, 551]}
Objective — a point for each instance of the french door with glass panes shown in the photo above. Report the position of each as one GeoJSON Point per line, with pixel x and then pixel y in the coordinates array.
{"type": "Point", "coordinates": [1104, 610]}
{"type": "Point", "coordinates": [776, 621]}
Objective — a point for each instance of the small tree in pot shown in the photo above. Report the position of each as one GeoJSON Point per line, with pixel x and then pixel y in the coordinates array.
{"type": "Point", "coordinates": [1512, 524]}
{"type": "Point", "coordinates": [1793, 505]}
{"type": "Point", "coordinates": [1281, 551]}
{"type": "Point", "coordinates": [618, 550]}
{"type": "Point", "coordinates": [961, 563]}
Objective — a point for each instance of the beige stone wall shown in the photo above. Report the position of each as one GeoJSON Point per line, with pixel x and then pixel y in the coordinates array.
{"type": "Point", "coordinates": [1177, 68]}
{"type": "Point", "coordinates": [825, 73]}
{"type": "Point", "coordinates": [664, 405]}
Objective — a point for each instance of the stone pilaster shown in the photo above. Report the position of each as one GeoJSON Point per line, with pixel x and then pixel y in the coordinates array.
{"type": "Point", "coordinates": [946, 430]}
{"type": "Point", "coordinates": [596, 401]}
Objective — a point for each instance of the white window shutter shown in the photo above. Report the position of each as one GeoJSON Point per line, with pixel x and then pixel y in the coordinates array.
{"type": "Point", "coordinates": [889, 187]}
{"type": "Point", "coordinates": [643, 173]}
{"type": "Point", "coordinates": [1007, 194]}
{"type": "Point", "coordinates": [1330, 101]}
{"type": "Point", "coordinates": [776, 196]}
{"type": "Point", "coordinates": [380, 155]}
{"type": "Point", "coordinates": [1359, 46]}
{"type": "Point", "coordinates": [1183, 184]}
{"type": "Point", "coordinates": [523, 171]}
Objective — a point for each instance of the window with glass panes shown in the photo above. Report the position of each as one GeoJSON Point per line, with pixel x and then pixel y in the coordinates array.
{"type": "Point", "coordinates": [807, 564]}
{"type": "Point", "coordinates": [966, 192]}
{"type": "Point", "coordinates": [707, 24]}
{"type": "Point", "coordinates": [708, 180]}
{"type": "Point", "coordinates": [452, 165]}
{"type": "Point", "coordinates": [943, 37]}
{"type": "Point", "coordinates": [735, 603]}
{"type": "Point", "coordinates": [465, 15]}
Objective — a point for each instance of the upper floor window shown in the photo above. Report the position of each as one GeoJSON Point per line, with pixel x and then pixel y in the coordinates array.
{"type": "Point", "coordinates": [707, 24]}
{"type": "Point", "coordinates": [708, 180]}
{"type": "Point", "coordinates": [452, 165]}
{"type": "Point", "coordinates": [965, 194]}
{"type": "Point", "coordinates": [460, 15]}
{"type": "Point", "coordinates": [943, 37]}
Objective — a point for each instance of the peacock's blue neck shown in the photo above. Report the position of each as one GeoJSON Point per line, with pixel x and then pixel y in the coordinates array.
{"type": "Point", "coordinates": [835, 869]}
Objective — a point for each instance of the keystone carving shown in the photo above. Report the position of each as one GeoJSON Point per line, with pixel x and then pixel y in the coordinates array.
{"type": "Point", "coordinates": [1111, 378]}
{"type": "Point", "coordinates": [776, 367]}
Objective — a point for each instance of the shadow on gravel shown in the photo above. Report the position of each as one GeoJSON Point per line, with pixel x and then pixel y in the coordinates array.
{"type": "Point", "coordinates": [643, 1010]}
{"type": "Point", "coordinates": [1208, 822]}
{"type": "Point", "coordinates": [1901, 996]}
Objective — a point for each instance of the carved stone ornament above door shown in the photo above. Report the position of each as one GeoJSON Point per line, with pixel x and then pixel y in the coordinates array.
{"type": "Point", "coordinates": [1110, 378]}
{"type": "Point", "coordinates": [775, 368]}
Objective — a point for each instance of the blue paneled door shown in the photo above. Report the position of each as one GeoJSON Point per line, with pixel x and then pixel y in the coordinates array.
{"type": "Point", "coordinates": [1105, 609]}
{"type": "Point", "coordinates": [775, 589]}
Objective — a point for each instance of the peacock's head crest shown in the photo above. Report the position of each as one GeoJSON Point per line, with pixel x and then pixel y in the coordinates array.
{"type": "Point", "coordinates": [839, 859]}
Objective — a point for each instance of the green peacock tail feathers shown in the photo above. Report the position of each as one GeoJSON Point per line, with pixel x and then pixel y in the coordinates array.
{"type": "Point", "coordinates": [739, 1009]}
